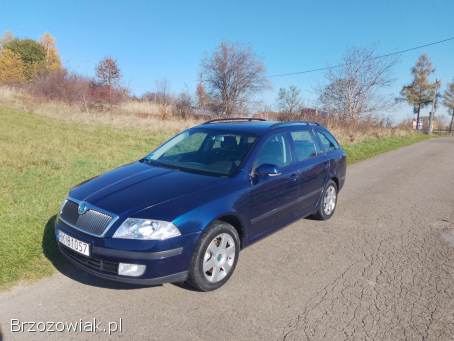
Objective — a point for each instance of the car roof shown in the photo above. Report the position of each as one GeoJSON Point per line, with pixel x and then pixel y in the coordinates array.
{"type": "Point", "coordinates": [251, 126]}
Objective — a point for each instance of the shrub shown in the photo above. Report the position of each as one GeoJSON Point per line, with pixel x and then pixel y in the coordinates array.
{"type": "Point", "coordinates": [183, 106]}
{"type": "Point", "coordinates": [60, 85]}
{"type": "Point", "coordinates": [70, 88]}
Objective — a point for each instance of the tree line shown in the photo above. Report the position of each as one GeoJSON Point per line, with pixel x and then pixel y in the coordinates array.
{"type": "Point", "coordinates": [355, 89]}
{"type": "Point", "coordinates": [230, 78]}
{"type": "Point", "coordinates": [36, 66]}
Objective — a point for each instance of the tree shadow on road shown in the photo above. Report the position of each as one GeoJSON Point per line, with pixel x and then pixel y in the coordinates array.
{"type": "Point", "coordinates": [50, 250]}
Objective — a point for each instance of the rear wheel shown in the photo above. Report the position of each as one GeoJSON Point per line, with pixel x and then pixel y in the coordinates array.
{"type": "Point", "coordinates": [328, 202]}
{"type": "Point", "coordinates": [215, 257]}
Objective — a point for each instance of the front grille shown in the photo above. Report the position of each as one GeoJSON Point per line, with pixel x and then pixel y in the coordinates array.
{"type": "Point", "coordinates": [94, 263]}
{"type": "Point", "coordinates": [92, 221]}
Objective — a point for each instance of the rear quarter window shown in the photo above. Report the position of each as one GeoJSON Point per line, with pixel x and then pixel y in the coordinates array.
{"type": "Point", "coordinates": [327, 141]}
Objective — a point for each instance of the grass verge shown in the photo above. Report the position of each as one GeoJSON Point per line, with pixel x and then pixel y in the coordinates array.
{"type": "Point", "coordinates": [41, 158]}
{"type": "Point", "coordinates": [371, 147]}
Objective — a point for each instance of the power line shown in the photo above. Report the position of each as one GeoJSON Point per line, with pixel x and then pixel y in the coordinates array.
{"type": "Point", "coordinates": [376, 57]}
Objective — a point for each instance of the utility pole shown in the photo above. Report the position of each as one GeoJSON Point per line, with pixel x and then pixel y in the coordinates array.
{"type": "Point", "coordinates": [434, 100]}
{"type": "Point", "coordinates": [452, 121]}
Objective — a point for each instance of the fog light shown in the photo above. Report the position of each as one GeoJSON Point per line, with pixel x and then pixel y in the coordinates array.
{"type": "Point", "coordinates": [133, 270]}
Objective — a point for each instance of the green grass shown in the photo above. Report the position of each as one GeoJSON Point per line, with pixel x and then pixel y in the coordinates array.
{"type": "Point", "coordinates": [371, 147]}
{"type": "Point", "coordinates": [41, 158]}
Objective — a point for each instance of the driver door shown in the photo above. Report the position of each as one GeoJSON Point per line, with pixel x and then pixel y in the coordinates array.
{"type": "Point", "coordinates": [273, 198]}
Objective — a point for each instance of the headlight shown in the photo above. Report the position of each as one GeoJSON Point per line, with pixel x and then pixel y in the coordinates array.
{"type": "Point", "coordinates": [145, 229]}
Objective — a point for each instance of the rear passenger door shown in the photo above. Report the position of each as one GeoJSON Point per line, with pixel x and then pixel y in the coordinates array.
{"type": "Point", "coordinates": [273, 199]}
{"type": "Point", "coordinates": [331, 150]}
{"type": "Point", "coordinates": [312, 168]}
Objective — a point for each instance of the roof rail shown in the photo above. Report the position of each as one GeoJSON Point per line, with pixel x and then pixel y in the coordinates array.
{"type": "Point", "coordinates": [290, 122]}
{"type": "Point", "coordinates": [233, 119]}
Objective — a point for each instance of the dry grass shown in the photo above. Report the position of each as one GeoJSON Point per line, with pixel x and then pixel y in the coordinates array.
{"type": "Point", "coordinates": [347, 135]}
{"type": "Point", "coordinates": [348, 132]}
{"type": "Point", "coordinates": [153, 117]}
{"type": "Point", "coordinates": [12, 96]}
{"type": "Point", "coordinates": [131, 114]}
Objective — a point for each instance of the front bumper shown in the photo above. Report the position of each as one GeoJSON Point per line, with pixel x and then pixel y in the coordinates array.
{"type": "Point", "coordinates": [166, 261]}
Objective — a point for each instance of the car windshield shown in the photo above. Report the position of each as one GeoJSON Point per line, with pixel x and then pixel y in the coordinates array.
{"type": "Point", "coordinates": [204, 151]}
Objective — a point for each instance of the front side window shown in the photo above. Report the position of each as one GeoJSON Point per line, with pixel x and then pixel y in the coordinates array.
{"type": "Point", "coordinates": [274, 151]}
{"type": "Point", "coordinates": [204, 150]}
{"type": "Point", "coordinates": [327, 141]}
{"type": "Point", "coordinates": [304, 144]}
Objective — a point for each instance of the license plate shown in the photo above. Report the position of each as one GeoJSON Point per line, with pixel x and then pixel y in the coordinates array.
{"type": "Point", "coordinates": [74, 244]}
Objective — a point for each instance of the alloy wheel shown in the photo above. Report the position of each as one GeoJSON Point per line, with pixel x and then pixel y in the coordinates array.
{"type": "Point", "coordinates": [329, 200]}
{"type": "Point", "coordinates": [219, 258]}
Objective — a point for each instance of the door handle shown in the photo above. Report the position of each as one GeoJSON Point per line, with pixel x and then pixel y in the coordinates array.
{"type": "Point", "coordinates": [294, 176]}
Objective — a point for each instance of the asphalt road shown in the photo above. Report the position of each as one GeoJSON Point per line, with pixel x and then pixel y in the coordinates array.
{"type": "Point", "coordinates": [381, 269]}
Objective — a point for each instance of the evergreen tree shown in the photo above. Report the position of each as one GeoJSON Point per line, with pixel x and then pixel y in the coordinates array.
{"type": "Point", "coordinates": [420, 92]}
{"type": "Point", "coordinates": [53, 62]}
{"type": "Point", "coordinates": [12, 69]}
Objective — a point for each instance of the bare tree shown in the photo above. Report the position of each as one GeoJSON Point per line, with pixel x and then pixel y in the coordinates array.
{"type": "Point", "coordinates": [161, 95]}
{"type": "Point", "coordinates": [232, 75]}
{"type": "Point", "coordinates": [435, 96]}
{"type": "Point", "coordinates": [354, 88]}
{"type": "Point", "coordinates": [289, 100]}
{"type": "Point", "coordinates": [448, 101]}
{"type": "Point", "coordinates": [108, 74]}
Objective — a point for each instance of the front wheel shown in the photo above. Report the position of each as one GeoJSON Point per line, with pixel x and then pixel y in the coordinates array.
{"type": "Point", "coordinates": [328, 202]}
{"type": "Point", "coordinates": [215, 257]}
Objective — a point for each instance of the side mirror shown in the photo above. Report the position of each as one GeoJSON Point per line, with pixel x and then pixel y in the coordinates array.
{"type": "Point", "coordinates": [267, 169]}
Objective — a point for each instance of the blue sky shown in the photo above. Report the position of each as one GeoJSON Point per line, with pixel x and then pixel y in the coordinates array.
{"type": "Point", "coordinates": [154, 40]}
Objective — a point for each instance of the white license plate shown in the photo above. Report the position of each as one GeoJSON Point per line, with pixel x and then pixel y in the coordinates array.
{"type": "Point", "coordinates": [74, 244]}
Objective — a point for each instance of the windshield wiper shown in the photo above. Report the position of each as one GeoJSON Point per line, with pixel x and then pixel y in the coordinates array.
{"type": "Point", "coordinates": [182, 168]}
{"type": "Point", "coordinates": [160, 164]}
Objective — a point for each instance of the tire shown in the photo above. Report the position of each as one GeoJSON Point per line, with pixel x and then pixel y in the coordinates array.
{"type": "Point", "coordinates": [211, 264]}
{"type": "Point", "coordinates": [323, 212]}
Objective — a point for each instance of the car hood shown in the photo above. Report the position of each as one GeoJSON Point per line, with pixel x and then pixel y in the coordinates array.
{"type": "Point", "coordinates": [136, 186]}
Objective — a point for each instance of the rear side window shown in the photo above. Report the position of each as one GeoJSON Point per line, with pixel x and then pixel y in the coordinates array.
{"type": "Point", "coordinates": [327, 141]}
{"type": "Point", "coordinates": [304, 144]}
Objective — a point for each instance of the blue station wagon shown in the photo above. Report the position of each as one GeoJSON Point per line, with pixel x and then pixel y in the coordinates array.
{"type": "Point", "coordinates": [184, 211]}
